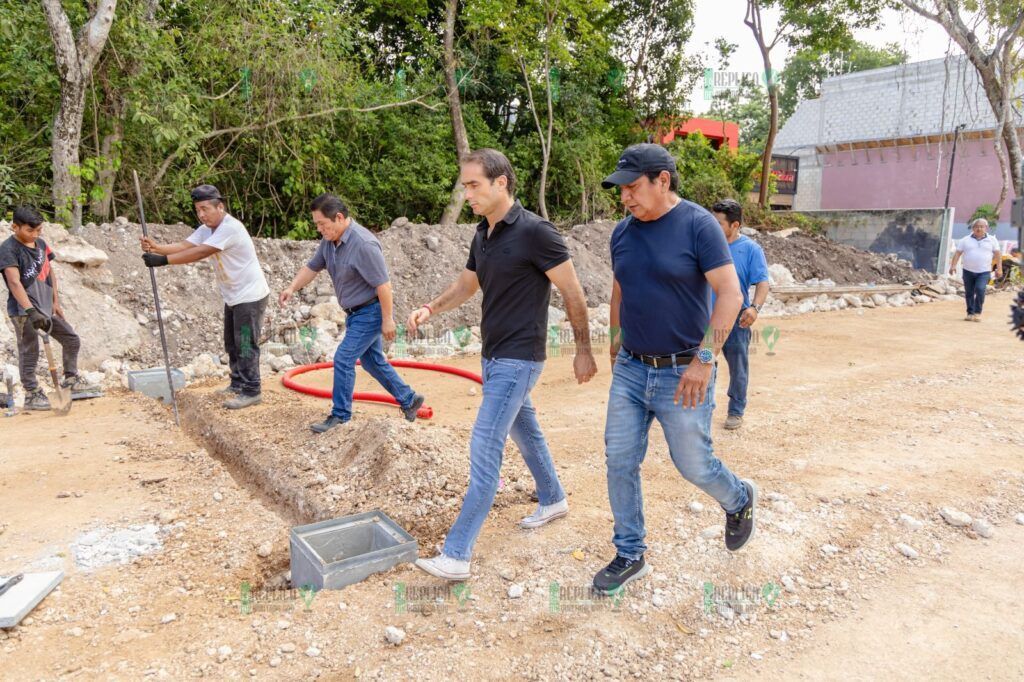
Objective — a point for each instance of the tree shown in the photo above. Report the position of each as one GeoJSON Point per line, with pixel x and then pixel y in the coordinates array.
{"type": "Point", "coordinates": [75, 59]}
{"type": "Point", "coordinates": [452, 84]}
{"type": "Point", "coordinates": [996, 56]}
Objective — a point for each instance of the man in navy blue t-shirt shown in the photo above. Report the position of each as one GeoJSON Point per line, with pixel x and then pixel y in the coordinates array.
{"type": "Point", "coordinates": [667, 258]}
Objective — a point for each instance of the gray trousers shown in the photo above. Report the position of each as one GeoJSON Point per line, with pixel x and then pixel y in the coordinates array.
{"type": "Point", "coordinates": [28, 348]}
{"type": "Point", "coordinates": [242, 325]}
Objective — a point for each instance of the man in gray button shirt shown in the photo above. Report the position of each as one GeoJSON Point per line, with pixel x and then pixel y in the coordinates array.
{"type": "Point", "coordinates": [354, 259]}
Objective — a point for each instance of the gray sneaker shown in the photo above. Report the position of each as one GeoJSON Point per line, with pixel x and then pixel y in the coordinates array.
{"type": "Point", "coordinates": [733, 422]}
{"type": "Point", "coordinates": [37, 400]}
{"type": "Point", "coordinates": [80, 388]}
{"type": "Point", "coordinates": [242, 401]}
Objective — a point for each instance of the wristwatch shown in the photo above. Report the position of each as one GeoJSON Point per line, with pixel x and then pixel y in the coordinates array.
{"type": "Point", "coordinates": [705, 356]}
{"type": "Point", "coordinates": [757, 308]}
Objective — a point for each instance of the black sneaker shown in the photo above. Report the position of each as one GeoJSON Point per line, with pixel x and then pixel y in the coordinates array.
{"type": "Point", "coordinates": [328, 424]}
{"type": "Point", "coordinates": [619, 573]}
{"type": "Point", "coordinates": [417, 403]}
{"type": "Point", "coordinates": [739, 527]}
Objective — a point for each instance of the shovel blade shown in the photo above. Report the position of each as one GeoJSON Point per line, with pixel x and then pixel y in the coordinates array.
{"type": "Point", "coordinates": [60, 401]}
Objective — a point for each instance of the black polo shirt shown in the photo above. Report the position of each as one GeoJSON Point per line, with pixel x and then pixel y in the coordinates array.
{"type": "Point", "coordinates": [510, 265]}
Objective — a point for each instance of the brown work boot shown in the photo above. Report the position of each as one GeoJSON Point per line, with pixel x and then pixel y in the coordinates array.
{"type": "Point", "coordinates": [733, 422]}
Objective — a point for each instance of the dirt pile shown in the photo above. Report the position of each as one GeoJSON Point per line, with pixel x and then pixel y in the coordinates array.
{"type": "Point", "coordinates": [810, 256]}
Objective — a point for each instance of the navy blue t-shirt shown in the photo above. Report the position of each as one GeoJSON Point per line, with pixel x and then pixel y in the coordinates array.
{"type": "Point", "coordinates": [660, 266]}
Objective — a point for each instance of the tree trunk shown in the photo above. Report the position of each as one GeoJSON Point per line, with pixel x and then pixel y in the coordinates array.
{"type": "Point", "coordinates": [67, 135]}
{"type": "Point", "coordinates": [455, 203]}
{"type": "Point", "coordinates": [753, 20]}
{"type": "Point", "coordinates": [584, 210]}
{"type": "Point", "coordinates": [75, 61]}
{"type": "Point", "coordinates": [101, 207]}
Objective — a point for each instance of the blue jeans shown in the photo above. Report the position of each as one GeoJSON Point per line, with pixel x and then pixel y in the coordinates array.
{"type": "Point", "coordinates": [363, 342]}
{"type": "Point", "coordinates": [506, 410]}
{"type": "Point", "coordinates": [639, 394]}
{"type": "Point", "coordinates": [974, 290]}
{"type": "Point", "coordinates": [737, 354]}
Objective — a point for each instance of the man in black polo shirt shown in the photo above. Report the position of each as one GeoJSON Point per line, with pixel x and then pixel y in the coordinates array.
{"type": "Point", "coordinates": [514, 258]}
{"type": "Point", "coordinates": [667, 258]}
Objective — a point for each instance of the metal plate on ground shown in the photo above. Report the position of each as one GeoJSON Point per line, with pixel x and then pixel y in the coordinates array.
{"type": "Point", "coordinates": [18, 601]}
{"type": "Point", "coordinates": [329, 555]}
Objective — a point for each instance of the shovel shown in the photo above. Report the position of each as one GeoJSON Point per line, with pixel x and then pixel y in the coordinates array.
{"type": "Point", "coordinates": [60, 400]}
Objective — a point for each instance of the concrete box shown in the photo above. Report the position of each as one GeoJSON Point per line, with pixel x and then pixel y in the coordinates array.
{"type": "Point", "coordinates": [153, 382]}
{"type": "Point", "coordinates": [329, 555]}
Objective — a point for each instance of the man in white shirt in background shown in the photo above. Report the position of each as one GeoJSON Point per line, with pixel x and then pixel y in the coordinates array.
{"type": "Point", "coordinates": [978, 249]}
{"type": "Point", "coordinates": [241, 282]}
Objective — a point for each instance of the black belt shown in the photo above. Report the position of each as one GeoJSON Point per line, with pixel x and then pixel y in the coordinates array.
{"type": "Point", "coordinates": [660, 361]}
{"type": "Point", "coordinates": [349, 311]}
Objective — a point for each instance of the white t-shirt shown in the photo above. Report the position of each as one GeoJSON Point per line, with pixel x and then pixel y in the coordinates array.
{"type": "Point", "coordinates": [978, 253]}
{"type": "Point", "coordinates": [239, 275]}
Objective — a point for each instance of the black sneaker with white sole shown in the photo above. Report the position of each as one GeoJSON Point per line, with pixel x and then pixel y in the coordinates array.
{"type": "Point", "coordinates": [619, 573]}
{"type": "Point", "coordinates": [739, 527]}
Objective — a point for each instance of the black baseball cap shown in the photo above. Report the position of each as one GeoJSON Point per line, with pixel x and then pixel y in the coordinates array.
{"type": "Point", "coordinates": [637, 160]}
{"type": "Point", "coordinates": [206, 193]}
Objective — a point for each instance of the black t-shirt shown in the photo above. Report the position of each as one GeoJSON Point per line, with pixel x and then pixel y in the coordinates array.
{"type": "Point", "coordinates": [34, 267]}
{"type": "Point", "coordinates": [510, 265]}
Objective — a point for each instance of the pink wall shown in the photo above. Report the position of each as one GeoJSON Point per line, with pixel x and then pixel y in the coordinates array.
{"type": "Point", "coordinates": [878, 178]}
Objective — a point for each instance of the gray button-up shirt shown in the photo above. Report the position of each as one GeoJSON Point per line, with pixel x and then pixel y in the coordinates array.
{"type": "Point", "coordinates": [355, 263]}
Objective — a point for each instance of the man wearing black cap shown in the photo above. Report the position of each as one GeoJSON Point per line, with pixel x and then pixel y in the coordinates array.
{"type": "Point", "coordinates": [240, 279]}
{"type": "Point", "coordinates": [667, 258]}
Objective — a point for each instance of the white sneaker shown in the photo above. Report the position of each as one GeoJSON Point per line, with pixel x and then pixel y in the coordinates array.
{"type": "Point", "coordinates": [545, 514]}
{"type": "Point", "coordinates": [443, 566]}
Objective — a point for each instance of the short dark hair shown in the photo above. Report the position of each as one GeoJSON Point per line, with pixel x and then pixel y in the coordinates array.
{"type": "Point", "coordinates": [495, 164]}
{"type": "Point", "coordinates": [27, 215]}
{"type": "Point", "coordinates": [730, 208]}
{"type": "Point", "coordinates": [673, 178]}
{"type": "Point", "coordinates": [330, 205]}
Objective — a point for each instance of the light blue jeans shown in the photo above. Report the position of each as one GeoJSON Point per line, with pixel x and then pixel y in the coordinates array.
{"type": "Point", "coordinates": [362, 341]}
{"type": "Point", "coordinates": [639, 394]}
{"type": "Point", "coordinates": [506, 410]}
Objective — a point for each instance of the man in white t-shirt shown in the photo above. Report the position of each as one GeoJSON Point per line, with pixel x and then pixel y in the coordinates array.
{"type": "Point", "coordinates": [241, 282]}
{"type": "Point", "coordinates": [978, 249]}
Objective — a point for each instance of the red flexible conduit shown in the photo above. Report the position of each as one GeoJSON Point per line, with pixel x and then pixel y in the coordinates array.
{"type": "Point", "coordinates": [424, 412]}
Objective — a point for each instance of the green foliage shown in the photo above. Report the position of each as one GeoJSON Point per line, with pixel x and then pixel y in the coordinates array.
{"type": "Point", "coordinates": [707, 175]}
{"type": "Point", "coordinates": [263, 98]}
{"type": "Point", "coordinates": [986, 211]}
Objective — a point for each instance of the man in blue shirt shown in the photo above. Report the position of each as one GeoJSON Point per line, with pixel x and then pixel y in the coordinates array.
{"type": "Point", "coordinates": [667, 258]}
{"type": "Point", "coordinates": [752, 269]}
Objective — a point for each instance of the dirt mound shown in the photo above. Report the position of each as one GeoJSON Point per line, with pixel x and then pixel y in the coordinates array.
{"type": "Point", "coordinates": [811, 256]}
{"type": "Point", "coordinates": [416, 473]}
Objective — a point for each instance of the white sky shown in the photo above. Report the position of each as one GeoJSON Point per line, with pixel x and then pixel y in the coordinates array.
{"type": "Point", "coordinates": [922, 39]}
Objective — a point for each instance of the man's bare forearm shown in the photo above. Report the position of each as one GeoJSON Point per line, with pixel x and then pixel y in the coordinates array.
{"type": "Point", "coordinates": [761, 293]}
{"type": "Point", "coordinates": [386, 299]}
{"type": "Point", "coordinates": [576, 310]}
{"type": "Point", "coordinates": [452, 298]}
